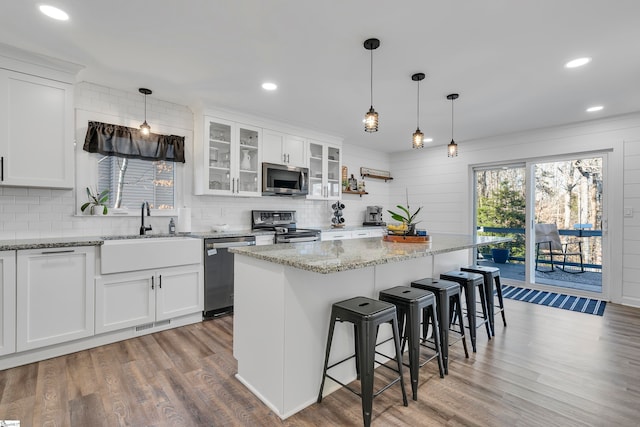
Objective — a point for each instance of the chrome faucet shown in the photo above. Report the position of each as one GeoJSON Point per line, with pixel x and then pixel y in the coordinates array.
{"type": "Point", "coordinates": [143, 229]}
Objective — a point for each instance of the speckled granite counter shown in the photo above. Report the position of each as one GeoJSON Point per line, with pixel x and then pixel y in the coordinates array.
{"type": "Point", "coordinates": [64, 242]}
{"type": "Point", "coordinates": [340, 255]}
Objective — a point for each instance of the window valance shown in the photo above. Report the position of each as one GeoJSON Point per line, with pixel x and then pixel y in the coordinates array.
{"type": "Point", "coordinates": [122, 141]}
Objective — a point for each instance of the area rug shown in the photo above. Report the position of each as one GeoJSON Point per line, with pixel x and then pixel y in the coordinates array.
{"type": "Point", "coordinates": [552, 299]}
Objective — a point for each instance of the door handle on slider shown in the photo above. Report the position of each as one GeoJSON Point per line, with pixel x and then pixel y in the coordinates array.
{"type": "Point", "coordinates": [152, 283]}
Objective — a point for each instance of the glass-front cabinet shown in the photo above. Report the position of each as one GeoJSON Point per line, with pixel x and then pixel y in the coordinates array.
{"type": "Point", "coordinates": [232, 159]}
{"type": "Point", "coordinates": [324, 171]}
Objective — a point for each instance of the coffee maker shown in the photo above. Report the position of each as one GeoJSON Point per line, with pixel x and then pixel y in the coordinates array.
{"type": "Point", "coordinates": [373, 216]}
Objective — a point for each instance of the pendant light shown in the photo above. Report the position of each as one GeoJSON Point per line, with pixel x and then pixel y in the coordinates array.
{"type": "Point", "coordinates": [452, 148]}
{"type": "Point", "coordinates": [144, 127]}
{"type": "Point", "coordinates": [418, 137]}
{"type": "Point", "coordinates": [371, 118]}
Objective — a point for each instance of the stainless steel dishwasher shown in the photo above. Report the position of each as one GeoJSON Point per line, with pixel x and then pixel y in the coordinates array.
{"type": "Point", "coordinates": [218, 273]}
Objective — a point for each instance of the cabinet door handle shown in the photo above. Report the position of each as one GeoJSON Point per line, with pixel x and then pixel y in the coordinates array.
{"type": "Point", "coordinates": [152, 283]}
{"type": "Point", "coordinates": [284, 158]}
{"type": "Point", "coordinates": [160, 281]}
{"type": "Point", "coordinates": [2, 168]}
{"type": "Point", "coordinates": [65, 251]}
{"type": "Point", "coordinates": [288, 159]}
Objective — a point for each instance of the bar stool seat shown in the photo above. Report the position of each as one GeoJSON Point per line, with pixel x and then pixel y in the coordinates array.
{"type": "Point", "coordinates": [468, 283]}
{"type": "Point", "coordinates": [490, 275]}
{"type": "Point", "coordinates": [410, 303]}
{"type": "Point", "coordinates": [366, 315]}
{"type": "Point", "coordinates": [447, 297]}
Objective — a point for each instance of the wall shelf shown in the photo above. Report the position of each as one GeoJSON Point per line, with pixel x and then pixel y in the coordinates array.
{"type": "Point", "coordinates": [375, 173]}
{"type": "Point", "coordinates": [368, 175]}
{"type": "Point", "coordinates": [354, 192]}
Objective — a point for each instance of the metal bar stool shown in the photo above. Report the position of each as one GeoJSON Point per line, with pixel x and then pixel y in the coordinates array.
{"type": "Point", "coordinates": [367, 315]}
{"type": "Point", "coordinates": [410, 302]}
{"type": "Point", "coordinates": [469, 282]}
{"type": "Point", "coordinates": [447, 297]}
{"type": "Point", "coordinates": [490, 274]}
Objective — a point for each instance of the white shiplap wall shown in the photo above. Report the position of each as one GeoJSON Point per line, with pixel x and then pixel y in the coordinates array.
{"type": "Point", "coordinates": [443, 185]}
{"type": "Point", "coordinates": [631, 224]}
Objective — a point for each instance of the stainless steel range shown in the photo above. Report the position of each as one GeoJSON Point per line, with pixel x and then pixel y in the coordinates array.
{"type": "Point", "coordinates": [284, 225]}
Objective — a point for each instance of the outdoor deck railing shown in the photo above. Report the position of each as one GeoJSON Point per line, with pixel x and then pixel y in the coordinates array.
{"type": "Point", "coordinates": [581, 233]}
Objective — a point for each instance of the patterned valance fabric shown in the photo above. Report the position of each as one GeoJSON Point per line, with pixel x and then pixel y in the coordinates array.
{"type": "Point", "coordinates": [122, 141]}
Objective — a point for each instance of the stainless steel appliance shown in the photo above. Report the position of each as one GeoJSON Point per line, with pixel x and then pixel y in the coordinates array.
{"type": "Point", "coordinates": [373, 216]}
{"type": "Point", "coordinates": [218, 273]}
{"type": "Point", "coordinates": [283, 180]}
{"type": "Point", "coordinates": [283, 223]}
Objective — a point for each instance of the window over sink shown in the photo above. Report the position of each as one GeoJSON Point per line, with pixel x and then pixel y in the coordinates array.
{"type": "Point", "coordinates": [134, 168]}
{"type": "Point", "coordinates": [132, 181]}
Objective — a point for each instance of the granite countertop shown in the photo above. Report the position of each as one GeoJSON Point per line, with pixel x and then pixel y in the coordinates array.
{"type": "Point", "coordinates": [64, 242]}
{"type": "Point", "coordinates": [340, 255]}
{"type": "Point", "coordinates": [48, 243]}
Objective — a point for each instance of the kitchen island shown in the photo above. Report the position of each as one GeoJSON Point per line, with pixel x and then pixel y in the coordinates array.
{"type": "Point", "coordinates": [283, 298]}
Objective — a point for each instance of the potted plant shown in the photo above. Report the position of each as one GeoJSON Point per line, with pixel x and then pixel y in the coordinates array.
{"type": "Point", "coordinates": [406, 218]}
{"type": "Point", "coordinates": [97, 202]}
{"type": "Point", "coordinates": [500, 254]}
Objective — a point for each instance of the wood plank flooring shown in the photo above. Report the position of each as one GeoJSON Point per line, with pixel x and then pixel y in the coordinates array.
{"type": "Point", "coordinates": [548, 367]}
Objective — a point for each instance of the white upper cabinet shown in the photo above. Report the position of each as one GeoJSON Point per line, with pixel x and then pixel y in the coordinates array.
{"type": "Point", "coordinates": [36, 122]}
{"type": "Point", "coordinates": [324, 171]}
{"type": "Point", "coordinates": [229, 163]}
{"type": "Point", "coordinates": [283, 149]}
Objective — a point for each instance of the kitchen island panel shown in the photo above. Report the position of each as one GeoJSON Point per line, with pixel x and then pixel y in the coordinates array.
{"type": "Point", "coordinates": [258, 325]}
{"type": "Point", "coordinates": [282, 317]}
{"type": "Point", "coordinates": [281, 323]}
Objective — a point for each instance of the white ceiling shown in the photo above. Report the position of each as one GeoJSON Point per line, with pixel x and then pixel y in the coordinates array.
{"type": "Point", "coordinates": [504, 57]}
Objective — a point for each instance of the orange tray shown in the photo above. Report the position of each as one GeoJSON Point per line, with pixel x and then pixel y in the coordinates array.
{"type": "Point", "coordinates": [406, 239]}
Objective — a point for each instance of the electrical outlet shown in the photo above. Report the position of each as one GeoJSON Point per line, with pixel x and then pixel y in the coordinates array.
{"type": "Point", "coordinates": [628, 212]}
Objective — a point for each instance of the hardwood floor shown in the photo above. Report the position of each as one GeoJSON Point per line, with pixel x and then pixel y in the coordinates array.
{"type": "Point", "coordinates": [549, 367]}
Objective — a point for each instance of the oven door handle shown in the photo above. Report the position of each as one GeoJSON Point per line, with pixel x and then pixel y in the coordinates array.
{"type": "Point", "coordinates": [299, 239]}
{"type": "Point", "coordinates": [225, 245]}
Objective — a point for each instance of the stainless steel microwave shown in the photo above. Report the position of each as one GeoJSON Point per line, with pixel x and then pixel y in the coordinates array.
{"type": "Point", "coordinates": [283, 180]}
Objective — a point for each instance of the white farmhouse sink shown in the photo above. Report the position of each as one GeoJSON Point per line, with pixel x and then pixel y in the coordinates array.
{"type": "Point", "coordinates": [133, 254]}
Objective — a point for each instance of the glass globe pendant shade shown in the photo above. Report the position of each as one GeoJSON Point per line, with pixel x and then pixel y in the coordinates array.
{"type": "Point", "coordinates": [418, 139]}
{"type": "Point", "coordinates": [145, 128]}
{"type": "Point", "coordinates": [371, 120]}
{"type": "Point", "coordinates": [452, 149]}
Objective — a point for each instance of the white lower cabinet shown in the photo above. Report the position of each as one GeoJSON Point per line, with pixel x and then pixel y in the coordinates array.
{"type": "Point", "coordinates": [266, 239]}
{"type": "Point", "coordinates": [335, 235]}
{"type": "Point", "coordinates": [7, 302]}
{"type": "Point", "coordinates": [55, 296]}
{"type": "Point", "coordinates": [138, 298]}
{"type": "Point", "coordinates": [361, 234]}
{"type": "Point", "coordinates": [353, 234]}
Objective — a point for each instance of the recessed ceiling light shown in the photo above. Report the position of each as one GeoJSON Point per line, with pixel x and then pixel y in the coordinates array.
{"type": "Point", "coordinates": [269, 86]}
{"type": "Point", "coordinates": [54, 12]}
{"type": "Point", "coordinates": [594, 108]}
{"type": "Point", "coordinates": [427, 139]}
{"type": "Point", "coordinates": [578, 62]}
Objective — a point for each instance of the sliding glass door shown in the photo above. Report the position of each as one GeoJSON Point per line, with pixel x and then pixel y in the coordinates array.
{"type": "Point", "coordinates": [554, 210]}
{"type": "Point", "coordinates": [568, 216]}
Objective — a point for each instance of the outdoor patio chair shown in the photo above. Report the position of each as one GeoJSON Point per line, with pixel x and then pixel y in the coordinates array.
{"type": "Point", "coordinates": [548, 245]}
